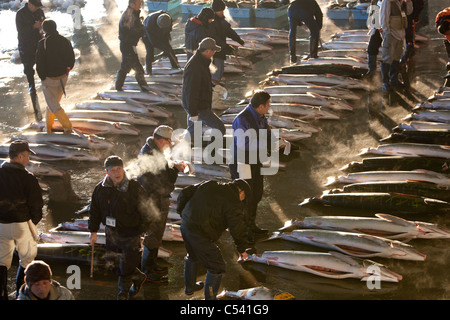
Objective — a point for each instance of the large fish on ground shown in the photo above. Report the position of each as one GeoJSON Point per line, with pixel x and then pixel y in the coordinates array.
{"type": "Point", "coordinates": [140, 97]}
{"type": "Point", "coordinates": [124, 106]}
{"type": "Point", "coordinates": [422, 126]}
{"type": "Point", "coordinates": [380, 201]}
{"type": "Point", "coordinates": [351, 61]}
{"type": "Point", "coordinates": [332, 265]}
{"type": "Point", "coordinates": [114, 116]}
{"type": "Point", "coordinates": [312, 99]}
{"type": "Point", "coordinates": [441, 137]}
{"type": "Point", "coordinates": [41, 168]}
{"type": "Point", "coordinates": [430, 115]}
{"type": "Point", "coordinates": [384, 225]}
{"type": "Point", "coordinates": [68, 140]}
{"type": "Point", "coordinates": [433, 105]}
{"type": "Point", "coordinates": [422, 189]}
{"type": "Point", "coordinates": [100, 127]}
{"type": "Point", "coordinates": [338, 93]}
{"type": "Point", "coordinates": [413, 175]}
{"type": "Point", "coordinates": [173, 79]}
{"type": "Point", "coordinates": [327, 80]}
{"type": "Point", "coordinates": [403, 163]}
{"type": "Point", "coordinates": [332, 45]}
{"type": "Point", "coordinates": [257, 293]}
{"type": "Point", "coordinates": [354, 244]}
{"type": "Point", "coordinates": [54, 153]}
{"type": "Point", "coordinates": [341, 70]}
{"type": "Point", "coordinates": [409, 149]}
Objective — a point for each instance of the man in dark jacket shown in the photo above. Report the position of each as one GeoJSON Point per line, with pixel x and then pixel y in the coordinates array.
{"type": "Point", "coordinates": [197, 88]}
{"type": "Point", "coordinates": [207, 210]}
{"type": "Point", "coordinates": [131, 30]}
{"type": "Point", "coordinates": [158, 179]}
{"type": "Point", "coordinates": [29, 20]}
{"type": "Point", "coordinates": [54, 60]}
{"type": "Point", "coordinates": [20, 210]}
{"type": "Point", "coordinates": [158, 26]}
{"type": "Point", "coordinates": [221, 30]}
{"type": "Point", "coordinates": [117, 203]}
{"type": "Point", "coordinates": [309, 13]}
{"type": "Point", "coordinates": [197, 28]}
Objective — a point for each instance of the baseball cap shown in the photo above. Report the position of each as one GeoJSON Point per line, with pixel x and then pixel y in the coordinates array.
{"type": "Point", "coordinates": [209, 43]}
{"type": "Point", "coordinates": [164, 132]}
{"type": "Point", "coordinates": [18, 146]}
{"type": "Point", "coordinates": [36, 3]}
{"type": "Point", "coordinates": [113, 161]}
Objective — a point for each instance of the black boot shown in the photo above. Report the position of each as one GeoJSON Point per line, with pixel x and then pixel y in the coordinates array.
{"type": "Point", "coordinates": [123, 284]}
{"type": "Point", "coordinates": [385, 67]}
{"type": "Point", "coordinates": [19, 279]}
{"type": "Point", "coordinates": [190, 275]}
{"type": "Point", "coordinates": [152, 270]}
{"type": "Point", "coordinates": [393, 75]}
{"type": "Point", "coordinates": [314, 48]}
{"type": "Point", "coordinates": [138, 279]}
{"type": "Point", "coordinates": [3, 283]}
{"type": "Point", "coordinates": [212, 284]}
{"type": "Point", "coordinates": [120, 80]}
{"type": "Point", "coordinates": [372, 66]}
{"type": "Point", "coordinates": [140, 78]}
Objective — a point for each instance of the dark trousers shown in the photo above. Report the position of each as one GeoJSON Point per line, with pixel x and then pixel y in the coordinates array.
{"type": "Point", "coordinates": [296, 17]}
{"type": "Point", "coordinates": [28, 58]}
{"type": "Point", "coordinates": [130, 60]}
{"type": "Point", "coordinates": [122, 252]}
{"type": "Point", "coordinates": [375, 42]}
{"type": "Point", "coordinates": [150, 56]}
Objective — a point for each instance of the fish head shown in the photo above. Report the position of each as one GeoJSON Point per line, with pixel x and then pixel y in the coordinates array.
{"type": "Point", "coordinates": [376, 271]}
{"type": "Point", "coordinates": [431, 231]}
{"type": "Point", "coordinates": [404, 251]}
{"type": "Point", "coordinates": [99, 143]}
{"type": "Point", "coordinates": [337, 104]}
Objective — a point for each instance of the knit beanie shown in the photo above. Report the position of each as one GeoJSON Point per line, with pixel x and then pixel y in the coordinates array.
{"type": "Point", "coordinates": [218, 5]}
{"type": "Point", "coordinates": [205, 14]}
{"type": "Point", "coordinates": [49, 26]}
{"type": "Point", "coordinates": [113, 161]}
{"type": "Point", "coordinates": [36, 271]}
{"type": "Point", "coordinates": [243, 185]}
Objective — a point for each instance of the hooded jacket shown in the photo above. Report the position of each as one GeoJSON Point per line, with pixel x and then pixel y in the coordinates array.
{"type": "Point", "coordinates": [20, 195]}
{"type": "Point", "coordinates": [211, 207]}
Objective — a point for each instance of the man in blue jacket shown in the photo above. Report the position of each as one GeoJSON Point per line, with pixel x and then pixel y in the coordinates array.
{"type": "Point", "coordinates": [158, 26]}
{"type": "Point", "coordinates": [309, 13]}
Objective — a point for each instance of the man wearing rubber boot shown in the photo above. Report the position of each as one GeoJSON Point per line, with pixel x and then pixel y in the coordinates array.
{"type": "Point", "coordinates": [197, 29]}
{"type": "Point", "coordinates": [131, 30]}
{"type": "Point", "coordinates": [20, 210]}
{"type": "Point", "coordinates": [29, 20]}
{"type": "Point", "coordinates": [309, 13]}
{"type": "Point", "coordinates": [117, 202]}
{"type": "Point", "coordinates": [207, 210]}
{"type": "Point", "coordinates": [393, 20]}
{"type": "Point", "coordinates": [158, 178]}
{"type": "Point", "coordinates": [158, 26]}
{"type": "Point", "coordinates": [54, 60]}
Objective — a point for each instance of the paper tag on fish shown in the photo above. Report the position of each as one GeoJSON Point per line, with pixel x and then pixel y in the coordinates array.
{"type": "Point", "coordinates": [110, 221]}
{"type": "Point", "coordinates": [284, 296]}
{"type": "Point", "coordinates": [244, 171]}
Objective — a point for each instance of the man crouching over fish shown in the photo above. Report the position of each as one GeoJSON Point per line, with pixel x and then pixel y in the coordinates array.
{"type": "Point", "coordinates": [116, 203]}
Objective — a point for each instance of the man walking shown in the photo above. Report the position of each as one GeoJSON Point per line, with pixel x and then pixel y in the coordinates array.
{"type": "Point", "coordinates": [20, 210]}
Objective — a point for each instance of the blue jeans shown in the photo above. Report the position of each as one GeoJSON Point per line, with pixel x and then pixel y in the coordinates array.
{"type": "Point", "coordinates": [208, 117]}
{"type": "Point", "coordinates": [296, 16]}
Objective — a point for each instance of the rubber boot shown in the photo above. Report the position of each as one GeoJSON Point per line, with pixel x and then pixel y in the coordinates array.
{"type": "Point", "coordinates": [123, 284]}
{"type": "Point", "coordinates": [64, 120]}
{"type": "Point", "coordinates": [393, 74]}
{"type": "Point", "coordinates": [372, 66]}
{"type": "Point", "coordinates": [49, 119]}
{"type": "Point", "coordinates": [314, 48]}
{"type": "Point", "coordinates": [149, 262]}
{"type": "Point", "coordinates": [3, 283]}
{"type": "Point", "coordinates": [212, 284]}
{"type": "Point", "coordinates": [120, 80]}
{"type": "Point", "coordinates": [140, 78]}
{"type": "Point", "coordinates": [190, 275]}
{"type": "Point", "coordinates": [138, 279]}
{"type": "Point", "coordinates": [293, 58]}
{"type": "Point", "coordinates": [385, 67]}
{"type": "Point", "coordinates": [19, 279]}
{"type": "Point", "coordinates": [36, 107]}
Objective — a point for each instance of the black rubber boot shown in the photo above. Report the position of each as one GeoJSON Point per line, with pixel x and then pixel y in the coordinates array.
{"type": "Point", "coordinates": [190, 277]}
{"type": "Point", "coordinates": [385, 67]}
{"type": "Point", "coordinates": [212, 284]}
{"type": "Point", "coordinates": [120, 80]}
{"type": "Point", "coordinates": [3, 283]}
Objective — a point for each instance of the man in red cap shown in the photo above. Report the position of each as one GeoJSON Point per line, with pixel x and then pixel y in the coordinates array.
{"type": "Point", "coordinates": [20, 210]}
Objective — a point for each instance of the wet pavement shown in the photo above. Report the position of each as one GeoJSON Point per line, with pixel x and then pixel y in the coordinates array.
{"type": "Point", "coordinates": [304, 176]}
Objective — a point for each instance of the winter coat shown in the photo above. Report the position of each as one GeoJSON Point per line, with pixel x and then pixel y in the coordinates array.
{"type": "Point", "coordinates": [312, 8]}
{"type": "Point", "coordinates": [54, 56]}
{"type": "Point", "coordinates": [27, 36]}
{"type": "Point", "coordinates": [220, 31]}
{"type": "Point", "coordinates": [20, 195]}
{"type": "Point", "coordinates": [158, 37]}
{"type": "Point", "coordinates": [131, 28]}
{"type": "Point", "coordinates": [124, 203]}
{"type": "Point", "coordinates": [211, 207]}
{"type": "Point", "coordinates": [57, 292]}
{"type": "Point", "coordinates": [194, 32]}
{"type": "Point", "coordinates": [160, 180]}
{"type": "Point", "coordinates": [197, 86]}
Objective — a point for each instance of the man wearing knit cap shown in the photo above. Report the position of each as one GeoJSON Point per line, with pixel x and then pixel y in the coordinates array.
{"type": "Point", "coordinates": [221, 30]}
{"type": "Point", "coordinates": [20, 210]}
{"type": "Point", "coordinates": [117, 203]}
{"type": "Point", "coordinates": [158, 26]}
{"type": "Point", "coordinates": [40, 286]}
{"type": "Point", "coordinates": [197, 28]}
{"type": "Point", "coordinates": [197, 89]}
{"type": "Point", "coordinates": [158, 178]}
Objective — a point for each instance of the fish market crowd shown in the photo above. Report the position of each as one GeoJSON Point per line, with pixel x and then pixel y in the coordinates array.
{"type": "Point", "coordinates": [193, 184]}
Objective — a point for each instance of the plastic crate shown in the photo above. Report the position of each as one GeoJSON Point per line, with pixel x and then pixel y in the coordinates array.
{"type": "Point", "coordinates": [267, 13]}
{"type": "Point", "coordinates": [360, 14]}
{"type": "Point", "coordinates": [171, 6]}
{"type": "Point", "coordinates": [242, 13]}
{"type": "Point", "coordinates": [192, 9]}
{"type": "Point", "coordinates": [339, 14]}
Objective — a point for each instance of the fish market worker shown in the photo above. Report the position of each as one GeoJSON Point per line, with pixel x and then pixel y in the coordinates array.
{"type": "Point", "coordinates": [207, 210]}
{"type": "Point", "coordinates": [131, 30]}
{"type": "Point", "coordinates": [20, 210]}
{"type": "Point", "coordinates": [117, 203]}
{"type": "Point", "coordinates": [158, 26]}
{"type": "Point", "coordinates": [158, 179]}
{"type": "Point", "coordinates": [54, 60]}
{"type": "Point", "coordinates": [197, 88]}
{"type": "Point", "coordinates": [197, 29]}
{"type": "Point", "coordinates": [309, 13]}
{"type": "Point", "coordinates": [39, 284]}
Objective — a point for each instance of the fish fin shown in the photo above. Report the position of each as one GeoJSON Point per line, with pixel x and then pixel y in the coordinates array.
{"type": "Point", "coordinates": [394, 219]}
{"type": "Point", "coordinates": [275, 235]}
{"type": "Point", "coordinates": [79, 133]}
{"type": "Point", "coordinates": [344, 258]}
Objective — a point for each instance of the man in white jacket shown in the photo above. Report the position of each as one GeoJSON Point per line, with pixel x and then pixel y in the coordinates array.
{"type": "Point", "coordinates": [393, 20]}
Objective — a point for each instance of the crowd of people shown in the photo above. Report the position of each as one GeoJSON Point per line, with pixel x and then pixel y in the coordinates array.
{"type": "Point", "coordinates": [131, 208]}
